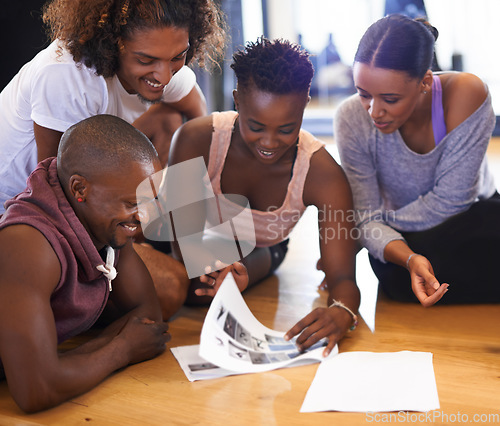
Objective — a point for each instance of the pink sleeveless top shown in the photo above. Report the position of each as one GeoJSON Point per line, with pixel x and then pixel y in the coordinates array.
{"type": "Point", "coordinates": [271, 227]}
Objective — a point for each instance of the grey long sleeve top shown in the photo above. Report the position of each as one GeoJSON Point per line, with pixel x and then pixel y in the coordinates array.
{"type": "Point", "coordinates": [396, 189]}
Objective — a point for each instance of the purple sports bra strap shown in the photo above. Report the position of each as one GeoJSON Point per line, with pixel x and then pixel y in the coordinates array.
{"type": "Point", "coordinates": [438, 123]}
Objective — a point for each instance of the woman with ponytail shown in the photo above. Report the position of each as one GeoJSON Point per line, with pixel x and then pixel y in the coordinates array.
{"type": "Point", "coordinates": [413, 144]}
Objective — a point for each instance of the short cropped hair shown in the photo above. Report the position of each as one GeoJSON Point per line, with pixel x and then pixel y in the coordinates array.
{"type": "Point", "coordinates": [101, 144]}
{"type": "Point", "coordinates": [398, 43]}
{"type": "Point", "coordinates": [276, 66]}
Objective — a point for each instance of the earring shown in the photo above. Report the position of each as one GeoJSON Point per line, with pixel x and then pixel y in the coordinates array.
{"type": "Point", "coordinates": [79, 199]}
{"type": "Point", "coordinates": [425, 92]}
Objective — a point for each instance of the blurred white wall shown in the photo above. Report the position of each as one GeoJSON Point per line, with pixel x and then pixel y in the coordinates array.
{"type": "Point", "coordinates": [470, 28]}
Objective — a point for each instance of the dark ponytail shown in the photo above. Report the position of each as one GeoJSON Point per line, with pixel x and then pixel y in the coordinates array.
{"type": "Point", "coordinates": [432, 29]}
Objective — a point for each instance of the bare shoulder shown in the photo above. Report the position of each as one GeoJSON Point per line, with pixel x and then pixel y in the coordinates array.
{"type": "Point", "coordinates": [325, 179]}
{"type": "Point", "coordinates": [463, 93]}
{"type": "Point", "coordinates": [192, 140]}
{"type": "Point", "coordinates": [323, 166]}
{"type": "Point", "coordinates": [27, 259]}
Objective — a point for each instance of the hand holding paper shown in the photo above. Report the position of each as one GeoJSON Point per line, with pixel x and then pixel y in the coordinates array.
{"type": "Point", "coordinates": [216, 278]}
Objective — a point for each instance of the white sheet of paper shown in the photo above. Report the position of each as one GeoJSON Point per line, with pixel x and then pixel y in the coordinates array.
{"type": "Point", "coordinates": [234, 340]}
{"type": "Point", "coordinates": [371, 382]}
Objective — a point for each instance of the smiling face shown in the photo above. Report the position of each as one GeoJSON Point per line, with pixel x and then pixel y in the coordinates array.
{"type": "Point", "coordinates": [389, 96]}
{"type": "Point", "coordinates": [150, 58]}
{"type": "Point", "coordinates": [269, 123]}
{"type": "Point", "coordinates": [110, 212]}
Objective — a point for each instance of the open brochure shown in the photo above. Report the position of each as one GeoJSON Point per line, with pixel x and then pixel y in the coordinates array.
{"type": "Point", "coordinates": [233, 341]}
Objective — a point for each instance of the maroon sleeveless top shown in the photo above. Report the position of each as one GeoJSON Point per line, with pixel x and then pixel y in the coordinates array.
{"type": "Point", "coordinates": [82, 292]}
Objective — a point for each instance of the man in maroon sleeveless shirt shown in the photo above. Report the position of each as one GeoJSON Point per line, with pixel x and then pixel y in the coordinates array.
{"type": "Point", "coordinates": [65, 251]}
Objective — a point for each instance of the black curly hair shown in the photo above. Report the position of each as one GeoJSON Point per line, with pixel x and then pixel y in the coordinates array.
{"type": "Point", "coordinates": [92, 29]}
{"type": "Point", "coordinates": [276, 66]}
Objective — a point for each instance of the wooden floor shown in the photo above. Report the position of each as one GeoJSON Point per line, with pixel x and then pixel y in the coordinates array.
{"type": "Point", "coordinates": [465, 341]}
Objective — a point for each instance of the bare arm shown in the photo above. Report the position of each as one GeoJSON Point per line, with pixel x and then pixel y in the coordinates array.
{"type": "Point", "coordinates": [37, 375]}
{"type": "Point", "coordinates": [160, 121]}
{"type": "Point", "coordinates": [327, 188]}
{"type": "Point", "coordinates": [47, 141]}
{"type": "Point", "coordinates": [463, 94]}
{"type": "Point", "coordinates": [157, 118]}
{"type": "Point", "coordinates": [133, 290]}
{"type": "Point", "coordinates": [191, 141]}
{"type": "Point", "coordinates": [192, 105]}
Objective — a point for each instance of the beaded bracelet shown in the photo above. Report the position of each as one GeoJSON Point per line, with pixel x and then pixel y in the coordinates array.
{"type": "Point", "coordinates": [409, 258]}
{"type": "Point", "coordinates": [354, 316]}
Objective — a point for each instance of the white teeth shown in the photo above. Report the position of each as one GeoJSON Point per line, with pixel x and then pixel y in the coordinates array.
{"type": "Point", "coordinates": [155, 85]}
{"type": "Point", "coordinates": [267, 153]}
{"type": "Point", "coordinates": [131, 228]}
